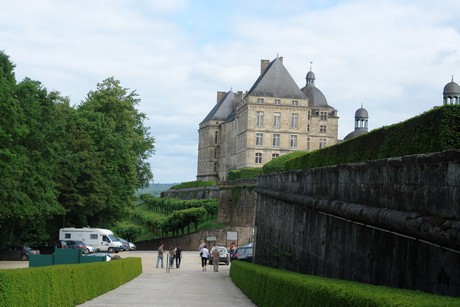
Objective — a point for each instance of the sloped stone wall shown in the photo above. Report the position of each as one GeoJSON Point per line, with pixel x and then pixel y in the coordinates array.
{"type": "Point", "coordinates": [393, 222]}
{"type": "Point", "coordinates": [193, 193]}
{"type": "Point", "coordinates": [237, 206]}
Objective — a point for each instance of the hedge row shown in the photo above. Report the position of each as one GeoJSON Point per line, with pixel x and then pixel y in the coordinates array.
{"type": "Point", "coordinates": [65, 285]}
{"type": "Point", "coordinates": [433, 131]}
{"type": "Point", "coordinates": [273, 287]}
{"type": "Point", "coordinates": [244, 173]}
{"type": "Point", "coordinates": [193, 184]}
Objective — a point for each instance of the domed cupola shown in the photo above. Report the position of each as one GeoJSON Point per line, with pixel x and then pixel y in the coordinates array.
{"type": "Point", "coordinates": [361, 118]}
{"type": "Point", "coordinates": [361, 114]}
{"type": "Point", "coordinates": [315, 97]}
{"type": "Point", "coordinates": [310, 77]}
{"type": "Point", "coordinates": [451, 93]}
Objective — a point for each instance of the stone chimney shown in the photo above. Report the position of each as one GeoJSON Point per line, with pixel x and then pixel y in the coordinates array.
{"type": "Point", "coordinates": [239, 96]}
{"type": "Point", "coordinates": [281, 59]}
{"type": "Point", "coordinates": [220, 95]}
{"type": "Point", "coordinates": [263, 65]}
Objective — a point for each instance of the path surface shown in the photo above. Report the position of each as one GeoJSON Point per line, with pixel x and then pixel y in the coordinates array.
{"type": "Point", "coordinates": [186, 286]}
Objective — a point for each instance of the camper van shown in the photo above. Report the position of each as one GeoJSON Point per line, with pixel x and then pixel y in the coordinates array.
{"type": "Point", "coordinates": [102, 239]}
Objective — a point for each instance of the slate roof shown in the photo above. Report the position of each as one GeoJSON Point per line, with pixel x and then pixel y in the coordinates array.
{"type": "Point", "coordinates": [222, 109]}
{"type": "Point", "coordinates": [276, 81]}
{"type": "Point", "coordinates": [315, 97]}
{"type": "Point", "coordinates": [356, 133]}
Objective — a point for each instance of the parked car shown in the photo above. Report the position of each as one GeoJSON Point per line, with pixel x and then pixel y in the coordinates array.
{"type": "Point", "coordinates": [86, 249]}
{"type": "Point", "coordinates": [48, 247]}
{"type": "Point", "coordinates": [124, 244]}
{"type": "Point", "coordinates": [18, 253]}
{"type": "Point", "coordinates": [107, 256]}
{"type": "Point", "coordinates": [244, 253]}
{"type": "Point", "coordinates": [132, 246]}
{"type": "Point", "coordinates": [224, 255]}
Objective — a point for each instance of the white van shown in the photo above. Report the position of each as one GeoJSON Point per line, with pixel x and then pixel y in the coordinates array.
{"type": "Point", "coordinates": [102, 239]}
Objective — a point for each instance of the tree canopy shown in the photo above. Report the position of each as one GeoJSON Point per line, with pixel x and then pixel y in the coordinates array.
{"type": "Point", "coordinates": [64, 165]}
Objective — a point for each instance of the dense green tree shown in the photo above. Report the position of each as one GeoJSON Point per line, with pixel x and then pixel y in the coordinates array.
{"type": "Point", "coordinates": [122, 143]}
{"type": "Point", "coordinates": [79, 174]}
{"type": "Point", "coordinates": [67, 166]}
{"type": "Point", "coordinates": [28, 153]}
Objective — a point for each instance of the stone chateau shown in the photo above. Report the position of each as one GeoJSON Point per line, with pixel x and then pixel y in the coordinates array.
{"type": "Point", "coordinates": [273, 118]}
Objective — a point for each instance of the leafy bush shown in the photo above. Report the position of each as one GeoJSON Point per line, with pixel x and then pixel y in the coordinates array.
{"type": "Point", "coordinates": [273, 287]}
{"type": "Point", "coordinates": [128, 231]}
{"type": "Point", "coordinates": [433, 131]}
{"type": "Point", "coordinates": [244, 173]}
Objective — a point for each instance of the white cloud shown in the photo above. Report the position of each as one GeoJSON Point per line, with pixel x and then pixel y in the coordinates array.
{"type": "Point", "coordinates": [394, 57]}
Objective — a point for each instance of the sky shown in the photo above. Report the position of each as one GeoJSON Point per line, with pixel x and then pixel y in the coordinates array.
{"type": "Point", "coordinates": [392, 57]}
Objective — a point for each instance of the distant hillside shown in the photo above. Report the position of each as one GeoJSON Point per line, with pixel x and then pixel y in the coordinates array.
{"type": "Point", "coordinates": [156, 189]}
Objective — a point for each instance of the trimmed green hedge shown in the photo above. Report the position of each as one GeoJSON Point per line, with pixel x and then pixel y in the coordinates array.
{"type": "Point", "coordinates": [279, 164]}
{"type": "Point", "coordinates": [244, 173]}
{"type": "Point", "coordinates": [273, 287]}
{"type": "Point", "coordinates": [65, 285]}
{"type": "Point", "coordinates": [433, 131]}
{"type": "Point", "coordinates": [193, 184]}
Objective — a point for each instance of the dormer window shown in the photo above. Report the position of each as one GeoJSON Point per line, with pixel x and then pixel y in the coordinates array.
{"type": "Point", "coordinates": [260, 100]}
{"type": "Point", "coordinates": [277, 102]}
{"type": "Point", "coordinates": [295, 103]}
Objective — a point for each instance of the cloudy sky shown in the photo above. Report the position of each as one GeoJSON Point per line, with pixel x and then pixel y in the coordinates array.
{"type": "Point", "coordinates": [393, 57]}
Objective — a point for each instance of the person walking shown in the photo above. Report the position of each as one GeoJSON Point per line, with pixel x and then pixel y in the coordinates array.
{"type": "Point", "coordinates": [172, 255]}
{"type": "Point", "coordinates": [178, 251]}
{"type": "Point", "coordinates": [204, 254]}
{"type": "Point", "coordinates": [215, 259]}
{"type": "Point", "coordinates": [232, 250]}
{"type": "Point", "coordinates": [160, 256]}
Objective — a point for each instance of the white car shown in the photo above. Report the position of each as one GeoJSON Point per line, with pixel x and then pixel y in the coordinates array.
{"type": "Point", "coordinates": [224, 256]}
{"type": "Point", "coordinates": [132, 246]}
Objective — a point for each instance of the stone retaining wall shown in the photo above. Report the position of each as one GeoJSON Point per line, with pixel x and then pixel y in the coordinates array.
{"type": "Point", "coordinates": [393, 222]}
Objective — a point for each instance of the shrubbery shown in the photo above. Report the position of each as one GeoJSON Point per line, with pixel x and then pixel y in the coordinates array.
{"type": "Point", "coordinates": [193, 184]}
{"type": "Point", "coordinates": [244, 173]}
{"type": "Point", "coordinates": [433, 131]}
{"type": "Point", "coordinates": [65, 285]}
{"type": "Point", "coordinates": [279, 164]}
{"type": "Point", "coordinates": [273, 287]}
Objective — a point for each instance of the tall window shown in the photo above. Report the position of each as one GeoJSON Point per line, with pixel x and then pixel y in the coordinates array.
{"type": "Point", "coordinates": [322, 128]}
{"type": "Point", "coordinates": [215, 153]}
{"type": "Point", "coordinates": [258, 157]}
{"type": "Point", "coordinates": [322, 115]}
{"type": "Point", "coordinates": [293, 142]}
{"type": "Point", "coordinates": [277, 102]}
{"type": "Point", "coordinates": [260, 119]}
{"type": "Point", "coordinates": [260, 100]}
{"type": "Point", "coordinates": [309, 115]}
{"type": "Point", "coordinates": [294, 120]}
{"type": "Point", "coordinates": [295, 103]}
{"type": "Point", "coordinates": [259, 138]}
{"type": "Point", "coordinates": [322, 143]}
{"type": "Point", "coordinates": [276, 120]}
{"type": "Point", "coordinates": [308, 144]}
{"type": "Point", "coordinates": [276, 140]}
{"type": "Point", "coordinates": [215, 137]}
{"type": "Point", "coordinates": [308, 127]}
{"type": "Point", "coordinates": [215, 167]}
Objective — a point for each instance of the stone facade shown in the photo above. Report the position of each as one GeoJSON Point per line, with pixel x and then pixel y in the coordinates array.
{"type": "Point", "coordinates": [275, 117]}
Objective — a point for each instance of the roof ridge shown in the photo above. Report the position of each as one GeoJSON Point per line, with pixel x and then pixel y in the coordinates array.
{"type": "Point", "coordinates": [275, 81]}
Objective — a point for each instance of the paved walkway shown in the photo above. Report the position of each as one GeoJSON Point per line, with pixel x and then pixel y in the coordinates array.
{"type": "Point", "coordinates": [186, 286]}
